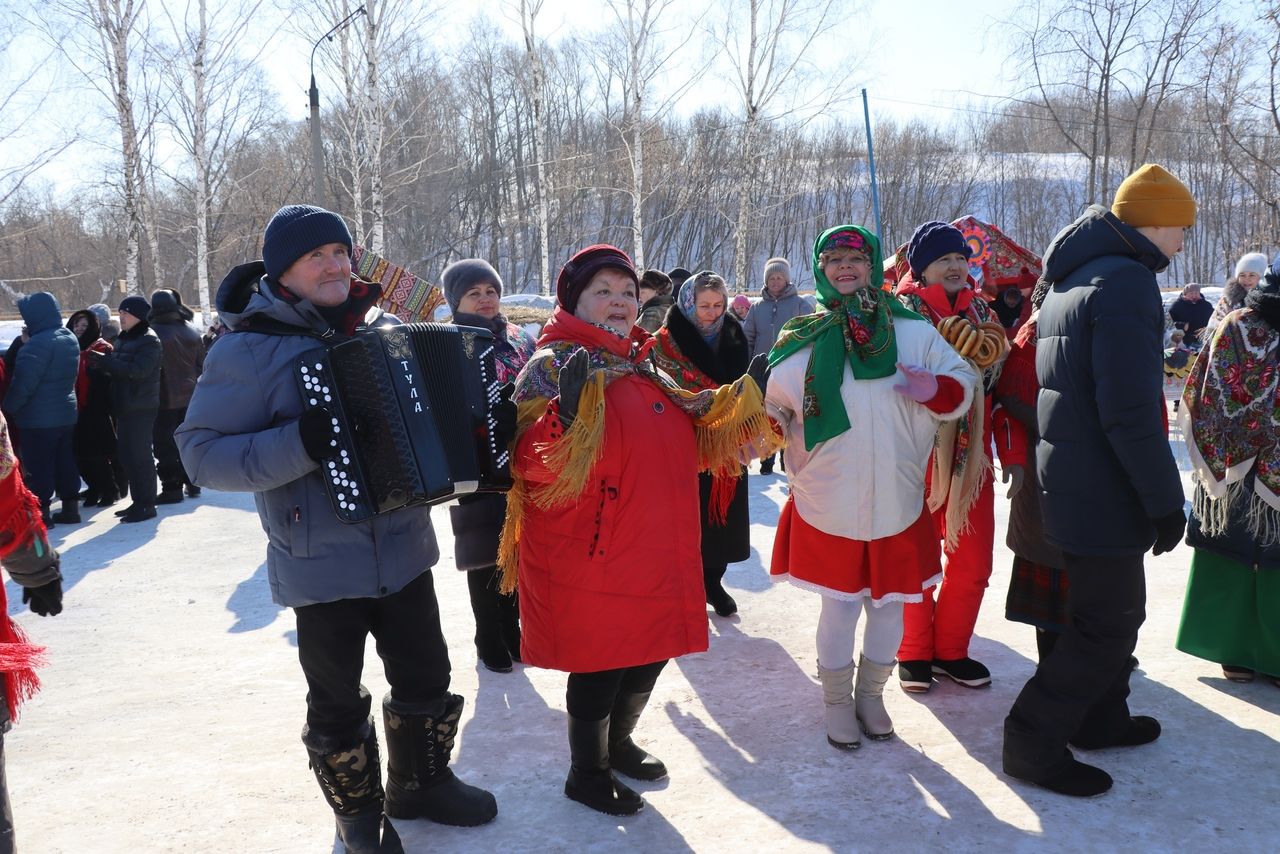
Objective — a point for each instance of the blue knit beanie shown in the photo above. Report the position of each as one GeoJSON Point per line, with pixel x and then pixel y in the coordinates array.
{"type": "Point", "coordinates": [297, 229]}
{"type": "Point", "coordinates": [930, 242]}
{"type": "Point", "coordinates": [460, 276]}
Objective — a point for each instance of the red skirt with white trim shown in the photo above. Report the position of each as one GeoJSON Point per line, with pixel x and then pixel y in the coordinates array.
{"type": "Point", "coordinates": [896, 568]}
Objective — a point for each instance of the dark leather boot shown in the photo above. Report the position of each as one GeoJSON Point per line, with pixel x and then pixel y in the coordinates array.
{"type": "Point", "coordinates": [1028, 758]}
{"type": "Point", "coordinates": [590, 780]}
{"type": "Point", "coordinates": [69, 514]}
{"type": "Point", "coordinates": [717, 597]}
{"type": "Point", "coordinates": [350, 776]}
{"type": "Point", "coordinates": [419, 783]}
{"type": "Point", "coordinates": [625, 756]}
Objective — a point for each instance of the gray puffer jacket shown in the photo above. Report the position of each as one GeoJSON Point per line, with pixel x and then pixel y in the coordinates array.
{"type": "Point", "coordinates": [241, 435]}
{"type": "Point", "coordinates": [764, 323]}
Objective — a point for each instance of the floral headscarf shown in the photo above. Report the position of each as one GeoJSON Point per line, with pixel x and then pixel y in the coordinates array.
{"type": "Point", "coordinates": [857, 328]}
{"type": "Point", "coordinates": [688, 298]}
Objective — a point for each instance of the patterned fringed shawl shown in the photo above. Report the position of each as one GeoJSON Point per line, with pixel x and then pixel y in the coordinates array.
{"type": "Point", "coordinates": [725, 419]}
{"type": "Point", "coordinates": [1231, 419]}
{"type": "Point", "coordinates": [960, 466]}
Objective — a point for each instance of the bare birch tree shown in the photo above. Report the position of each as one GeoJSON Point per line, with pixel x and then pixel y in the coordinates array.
{"type": "Point", "coordinates": [104, 42]}
{"type": "Point", "coordinates": [216, 99]}
{"type": "Point", "coordinates": [529, 11]}
{"type": "Point", "coordinates": [766, 54]}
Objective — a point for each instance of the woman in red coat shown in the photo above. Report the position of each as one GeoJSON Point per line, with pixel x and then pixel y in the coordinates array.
{"type": "Point", "coordinates": [604, 439]}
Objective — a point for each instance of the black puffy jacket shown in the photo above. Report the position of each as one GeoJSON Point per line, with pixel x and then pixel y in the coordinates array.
{"type": "Point", "coordinates": [134, 368]}
{"type": "Point", "coordinates": [1104, 463]}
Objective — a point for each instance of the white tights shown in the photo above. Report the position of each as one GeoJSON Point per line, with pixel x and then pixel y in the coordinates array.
{"type": "Point", "coordinates": [838, 624]}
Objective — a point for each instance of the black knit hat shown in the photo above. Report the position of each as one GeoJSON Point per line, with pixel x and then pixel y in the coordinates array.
{"type": "Point", "coordinates": [461, 276]}
{"type": "Point", "coordinates": [933, 240]}
{"type": "Point", "coordinates": [677, 276]}
{"type": "Point", "coordinates": [297, 229]}
{"type": "Point", "coordinates": [137, 306]}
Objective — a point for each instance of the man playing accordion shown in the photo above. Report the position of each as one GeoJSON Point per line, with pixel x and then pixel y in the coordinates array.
{"type": "Point", "coordinates": [246, 430]}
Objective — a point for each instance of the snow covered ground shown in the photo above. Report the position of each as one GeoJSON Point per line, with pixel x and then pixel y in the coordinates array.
{"type": "Point", "coordinates": [173, 703]}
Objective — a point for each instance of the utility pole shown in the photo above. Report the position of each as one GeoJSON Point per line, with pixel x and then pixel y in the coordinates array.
{"type": "Point", "coordinates": [317, 145]}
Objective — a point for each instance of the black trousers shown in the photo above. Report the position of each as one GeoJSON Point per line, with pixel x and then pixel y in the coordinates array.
{"type": "Point", "coordinates": [1081, 688]}
{"type": "Point", "coordinates": [133, 434]}
{"type": "Point", "coordinates": [331, 637]}
{"type": "Point", "coordinates": [168, 464]}
{"type": "Point", "coordinates": [497, 614]}
{"type": "Point", "coordinates": [590, 696]}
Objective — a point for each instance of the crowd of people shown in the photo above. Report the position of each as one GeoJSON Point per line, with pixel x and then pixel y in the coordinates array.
{"type": "Point", "coordinates": [97, 401]}
{"type": "Point", "coordinates": [649, 391]}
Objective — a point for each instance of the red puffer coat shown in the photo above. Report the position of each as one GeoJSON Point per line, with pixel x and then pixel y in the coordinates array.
{"type": "Point", "coordinates": [602, 586]}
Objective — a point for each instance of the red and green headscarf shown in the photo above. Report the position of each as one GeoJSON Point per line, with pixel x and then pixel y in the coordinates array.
{"type": "Point", "coordinates": [857, 328]}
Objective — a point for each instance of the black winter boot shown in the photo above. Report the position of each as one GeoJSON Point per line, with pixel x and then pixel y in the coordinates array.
{"type": "Point", "coordinates": [1030, 759]}
{"type": "Point", "coordinates": [69, 514]}
{"type": "Point", "coordinates": [170, 495]}
{"type": "Point", "coordinates": [350, 776]}
{"type": "Point", "coordinates": [45, 515]}
{"type": "Point", "coordinates": [590, 780]}
{"type": "Point", "coordinates": [419, 783]}
{"type": "Point", "coordinates": [717, 597]}
{"type": "Point", "coordinates": [625, 756]}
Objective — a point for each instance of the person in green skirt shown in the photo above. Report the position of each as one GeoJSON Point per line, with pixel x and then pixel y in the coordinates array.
{"type": "Point", "coordinates": [1231, 418]}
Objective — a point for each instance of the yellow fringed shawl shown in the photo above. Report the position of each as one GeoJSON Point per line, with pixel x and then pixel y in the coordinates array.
{"type": "Point", "coordinates": [724, 419]}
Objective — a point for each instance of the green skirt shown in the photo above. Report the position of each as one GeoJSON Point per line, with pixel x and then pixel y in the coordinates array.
{"type": "Point", "coordinates": [1231, 614]}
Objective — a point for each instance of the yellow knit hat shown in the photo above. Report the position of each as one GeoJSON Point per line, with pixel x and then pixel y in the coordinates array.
{"type": "Point", "coordinates": [1152, 196]}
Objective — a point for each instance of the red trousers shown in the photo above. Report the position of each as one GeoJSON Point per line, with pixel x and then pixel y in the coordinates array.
{"type": "Point", "coordinates": [942, 630]}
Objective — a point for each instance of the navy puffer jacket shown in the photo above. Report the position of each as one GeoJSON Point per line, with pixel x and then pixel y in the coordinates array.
{"type": "Point", "coordinates": [1104, 463]}
{"type": "Point", "coordinates": [43, 391]}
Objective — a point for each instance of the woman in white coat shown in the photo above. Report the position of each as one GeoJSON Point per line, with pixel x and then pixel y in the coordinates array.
{"type": "Point", "coordinates": [859, 389]}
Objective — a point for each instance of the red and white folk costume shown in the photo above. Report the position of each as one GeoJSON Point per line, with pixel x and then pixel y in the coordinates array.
{"type": "Point", "coordinates": [855, 528]}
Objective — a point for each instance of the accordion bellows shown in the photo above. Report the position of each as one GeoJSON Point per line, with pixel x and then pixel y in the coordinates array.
{"type": "Point", "coordinates": [413, 414]}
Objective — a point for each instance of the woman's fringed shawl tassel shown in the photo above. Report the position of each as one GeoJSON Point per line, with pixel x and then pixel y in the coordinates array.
{"type": "Point", "coordinates": [725, 420]}
{"type": "Point", "coordinates": [572, 456]}
{"type": "Point", "coordinates": [960, 468]}
{"type": "Point", "coordinates": [19, 657]}
{"type": "Point", "coordinates": [736, 419]}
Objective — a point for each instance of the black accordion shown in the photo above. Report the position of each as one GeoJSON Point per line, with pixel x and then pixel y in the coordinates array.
{"type": "Point", "coordinates": [413, 414]}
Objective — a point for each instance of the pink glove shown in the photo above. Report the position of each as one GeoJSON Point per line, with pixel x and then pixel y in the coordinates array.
{"type": "Point", "coordinates": [920, 385]}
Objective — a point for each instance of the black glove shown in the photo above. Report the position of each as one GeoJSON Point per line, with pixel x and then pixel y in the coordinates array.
{"type": "Point", "coordinates": [46, 600]}
{"type": "Point", "coordinates": [505, 416]}
{"type": "Point", "coordinates": [315, 426]}
{"type": "Point", "coordinates": [573, 376]}
{"type": "Point", "coordinates": [1169, 531]}
{"type": "Point", "coordinates": [758, 370]}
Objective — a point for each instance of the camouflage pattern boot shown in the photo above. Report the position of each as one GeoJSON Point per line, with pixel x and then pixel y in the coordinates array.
{"type": "Point", "coordinates": [419, 783]}
{"type": "Point", "coordinates": [350, 776]}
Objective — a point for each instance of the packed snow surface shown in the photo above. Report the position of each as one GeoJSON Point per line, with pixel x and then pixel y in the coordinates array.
{"type": "Point", "coordinates": [173, 703]}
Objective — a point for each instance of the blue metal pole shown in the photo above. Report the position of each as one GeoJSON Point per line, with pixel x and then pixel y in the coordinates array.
{"type": "Point", "coordinates": [871, 160]}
